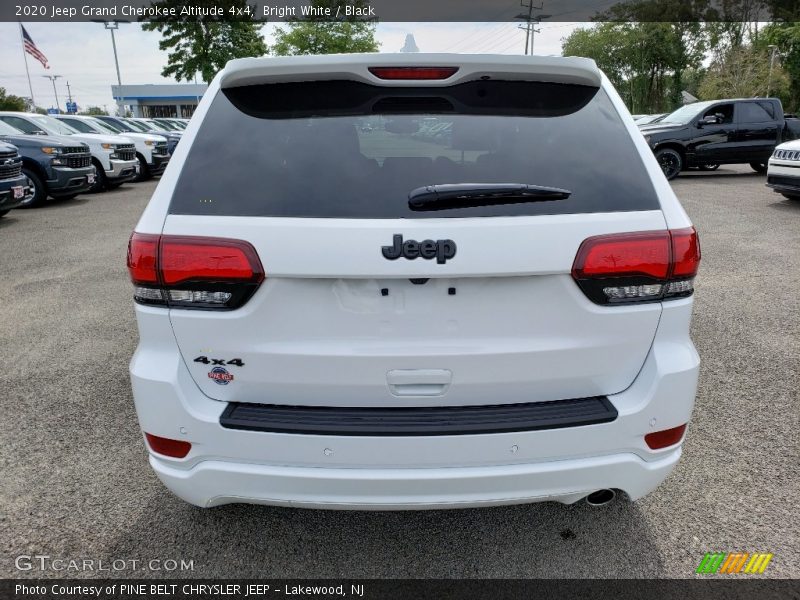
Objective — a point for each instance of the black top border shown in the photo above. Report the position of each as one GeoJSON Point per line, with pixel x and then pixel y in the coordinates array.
{"type": "Point", "coordinates": [400, 10]}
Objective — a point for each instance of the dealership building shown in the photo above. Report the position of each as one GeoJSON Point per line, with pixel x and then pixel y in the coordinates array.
{"type": "Point", "coordinates": [159, 100]}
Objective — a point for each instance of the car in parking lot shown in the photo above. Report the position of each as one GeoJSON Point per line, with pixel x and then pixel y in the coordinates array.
{"type": "Point", "coordinates": [113, 156]}
{"type": "Point", "coordinates": [54, 165]}
{"type": "Point", "coordinates": [177, 124]}
{"type": "Point", "coordinates": [396, 323]}
{"type": "Point", "coordinates": [152, 150]}
{"type": "Point", "coordinates": [706, 134]}
{"type": "Point", "coordinates": [648, 119]}
{"type": "Point", "coordinates": [13, 184]}
{"type": "Point", "coordinates": [783, 171]}
{"type": "Point", "coordinates": [146, 126]}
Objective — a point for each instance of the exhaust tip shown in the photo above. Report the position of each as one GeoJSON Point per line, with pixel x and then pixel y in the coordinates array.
{"type": "Point", "coordinates": [600, 497]}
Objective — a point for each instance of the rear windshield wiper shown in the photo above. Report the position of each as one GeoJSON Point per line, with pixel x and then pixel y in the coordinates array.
{"type": "Point", "coordinates": [465, 195]}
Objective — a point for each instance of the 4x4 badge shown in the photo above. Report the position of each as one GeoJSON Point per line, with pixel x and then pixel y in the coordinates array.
{"type": "Point", "coordinates": [427, 249]}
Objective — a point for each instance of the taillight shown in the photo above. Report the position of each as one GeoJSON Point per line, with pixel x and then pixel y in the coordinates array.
{"type": "Point", "coordinates": [415, 73]}
{"type": "Point", "coordinates": [168, 447]}
{"type": "Point", "coordinates": [645, 266]}
{"type": "Point", "coordinates": [663, 439]}
{"type": "Point", "coordinates": [193, 272]}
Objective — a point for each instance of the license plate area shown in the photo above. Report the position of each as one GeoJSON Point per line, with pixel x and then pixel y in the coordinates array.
{"type": "Point", "coordinates": [18, 192]}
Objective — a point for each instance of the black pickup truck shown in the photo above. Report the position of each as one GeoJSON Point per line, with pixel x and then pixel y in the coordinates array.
{"type": "Point", "coordinates": [705, 135]}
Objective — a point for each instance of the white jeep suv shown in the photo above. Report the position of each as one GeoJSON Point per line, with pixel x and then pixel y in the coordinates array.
{"type": "Point", "coordinates": [413, 281]}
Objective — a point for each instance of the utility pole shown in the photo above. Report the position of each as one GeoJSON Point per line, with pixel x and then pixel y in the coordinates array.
{"type": "Point", "coordinates": [531, 21]}
{"type": "Point", "coordinates": [112, 26]}
{"type": "Point", "coordinates": [69, 93]}
{"type": "Point", "coordinates": [55, 92]}
{"type": "Point", "coordinates": [773, 48]}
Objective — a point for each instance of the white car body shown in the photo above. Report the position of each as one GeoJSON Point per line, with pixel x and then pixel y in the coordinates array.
{"type": "Point", "coordinates": [320, 332]}
{"type": "Point", "coordinates": [143, 142]}
{"type": "Point", "coordinates": [783, 169]}
{"type": "Point", "coordinates": [103, 147]}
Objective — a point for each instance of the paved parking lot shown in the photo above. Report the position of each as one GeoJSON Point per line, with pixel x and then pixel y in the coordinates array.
{"type": "Point", "coordinates": [76, 484]}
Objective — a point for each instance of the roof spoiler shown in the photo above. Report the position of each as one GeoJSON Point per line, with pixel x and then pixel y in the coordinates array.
{"type": "Point", "coordinates": [355, 67]}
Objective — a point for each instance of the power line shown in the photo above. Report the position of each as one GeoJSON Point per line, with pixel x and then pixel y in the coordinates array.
{"type": "Point", "coordinates": [498, 38]}
{"type": "Point", "coordinates": [531, 21]}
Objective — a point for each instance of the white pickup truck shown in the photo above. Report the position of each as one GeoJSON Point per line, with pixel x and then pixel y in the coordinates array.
{"type": "Point", "coordinates": [151, 151]}
{"type": "Point", "coordinates": [113, 156]}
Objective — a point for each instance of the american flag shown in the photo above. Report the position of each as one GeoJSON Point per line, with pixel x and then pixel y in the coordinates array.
{"type": "Point", "coordinates": [31, 48]}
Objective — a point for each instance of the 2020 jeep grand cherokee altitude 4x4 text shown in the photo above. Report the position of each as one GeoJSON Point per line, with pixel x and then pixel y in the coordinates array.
{"type": "Point", "coordinates": [442, 280]}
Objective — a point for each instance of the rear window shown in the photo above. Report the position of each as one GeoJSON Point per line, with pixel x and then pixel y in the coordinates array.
{"type": "Point", "coordinates": [351, 150]}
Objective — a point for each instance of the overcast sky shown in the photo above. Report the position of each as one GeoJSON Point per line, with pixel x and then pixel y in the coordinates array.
{"type": "Point", "coordinates": [82, 54]}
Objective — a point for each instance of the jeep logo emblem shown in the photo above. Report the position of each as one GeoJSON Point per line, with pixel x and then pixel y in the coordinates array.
{"type": "Point", "coordinates": [427, 249]}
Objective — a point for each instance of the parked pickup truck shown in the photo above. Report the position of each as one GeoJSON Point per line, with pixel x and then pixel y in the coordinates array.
{"type": "Point", "coordinates": [149, 148]}
{"type": "Point", "coordinates": [707, 134]}
{"type": "Point", "coordinates": [160, 154]}
{"type": "Point", "coordinates": [113, 156]}
{"type": "Point", "coordinates": [14, 187]}
{"type": "Point", "coordinates": [54, 165]}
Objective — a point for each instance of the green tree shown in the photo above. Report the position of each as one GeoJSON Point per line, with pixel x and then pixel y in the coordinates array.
{"type": "Point", "coordinates": [645, 61]}
{"type": "Point", "coordinates": [93, 110]}
{"type": "Point", "coordinates": [318, 36]}
{"type": "Point", "coordinates": [786, 38]}
{"type": "Point", "coordinates": [203, 45]}
{"type": "Point", "coordinates": [10, 102]}
{"type": "Point", "coordinates": [744, 73]}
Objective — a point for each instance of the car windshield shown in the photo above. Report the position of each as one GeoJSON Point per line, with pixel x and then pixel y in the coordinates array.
{"type": "Point", "coordinates": [80, 125]}
{"type": "Point", "coordinates": [102, 126]}
{"type": "Point", "coordinates": [6, 129]}
{"type": "Point", "coordinates": [53, 126]}
{"type": "Point", "coordinates": [138, 126]}
{"type": "Point", "coordinates": [168, 125]}
{"type": "Point", "coordinates": [685, 114]}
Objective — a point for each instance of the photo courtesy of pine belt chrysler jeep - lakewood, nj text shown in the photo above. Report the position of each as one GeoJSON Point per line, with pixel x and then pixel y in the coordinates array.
{"type": "Point", "coordinates": [441, 281]}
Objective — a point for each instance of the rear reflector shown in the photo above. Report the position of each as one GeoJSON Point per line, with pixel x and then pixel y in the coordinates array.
{"type": "Point", "coordinates": [665, 438]}
{"type": "Point", "coordinates": [637, 267]}
{"type": "Point", "coordinates": [193, 272]}
{"type": "Point", "coordinates": [415, 73]}
{"type": "Point", "coordinates": [168, 447]}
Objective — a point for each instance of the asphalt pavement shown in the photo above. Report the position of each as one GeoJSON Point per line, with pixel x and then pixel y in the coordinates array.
{"type": "Point", "coordinates": [76, 483]}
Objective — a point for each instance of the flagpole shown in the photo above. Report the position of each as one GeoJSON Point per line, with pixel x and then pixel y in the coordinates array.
{"type": "Point", "coordinates": [25, 58]}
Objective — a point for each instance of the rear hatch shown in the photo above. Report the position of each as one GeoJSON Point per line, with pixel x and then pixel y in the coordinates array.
{"type": "Point", "coordinates": [369, 300]}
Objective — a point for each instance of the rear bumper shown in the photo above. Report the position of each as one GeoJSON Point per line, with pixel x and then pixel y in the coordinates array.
{"type": "Point", "coordinates": [212, 483]}
{"type": "Point", "coordinates": [408, 472]}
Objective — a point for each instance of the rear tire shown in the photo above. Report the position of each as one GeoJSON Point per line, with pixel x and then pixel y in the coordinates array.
{"type": "Point", "coordinates": [795, 197]}
{"type": "Point", "coordinates": [144, 172]}
{"type": "Point", "coordinates": [758, 167]}
{"type": "Point", "coordinates": [3, 213]}
{"type": "Point", "coordinates": [39, 190]}
{"type": "Point", "coordinates": [670, 161]}
{"type": "Point", "coordinates": [100, 182]}
{"type": "Point", "coordinates": [113, 186]}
